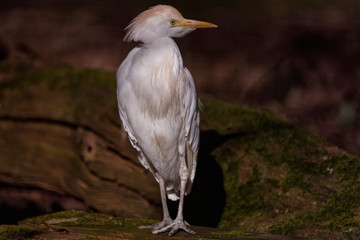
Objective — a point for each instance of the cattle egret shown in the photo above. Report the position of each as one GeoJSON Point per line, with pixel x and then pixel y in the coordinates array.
{"type": "Point", "coordinates": [159, 108]}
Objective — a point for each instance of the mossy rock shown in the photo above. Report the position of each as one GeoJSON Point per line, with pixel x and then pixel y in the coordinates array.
{"type": "Point", "coordinates": [258, 172]}
{"type": "Point", "coordinates": [82, 225]}
{"type": "Point", "coordinates": [60, 132]}
{"type": "Point", "coordinates": [279, 178]}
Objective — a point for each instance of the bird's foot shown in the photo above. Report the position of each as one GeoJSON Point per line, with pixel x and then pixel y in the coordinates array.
{"type": "Point", "coordinates": [175, 226]}
{"type": "Point", "coordinates": [166, 222]}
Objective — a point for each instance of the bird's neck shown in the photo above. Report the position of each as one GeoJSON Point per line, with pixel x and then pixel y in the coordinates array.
{"type": "Point", "coordinates": [162, 73]}
{"type": "Point", "coordinates": [161, 44]}
{"type": "Point", "coordinates": [164, 49]}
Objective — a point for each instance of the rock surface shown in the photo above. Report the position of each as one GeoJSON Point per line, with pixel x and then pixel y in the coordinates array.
{"type": "Point", "coordinates": [91, 226]}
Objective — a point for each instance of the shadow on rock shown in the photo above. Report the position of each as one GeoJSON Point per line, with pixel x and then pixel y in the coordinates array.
{"type": "Point", "coordinates": [205, 205]}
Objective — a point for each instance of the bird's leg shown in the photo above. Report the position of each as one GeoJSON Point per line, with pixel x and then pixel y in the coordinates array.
{"type": "Point", "coordinates": [166, 216]}
{"type": "Point", "coordinates": [179, 222]}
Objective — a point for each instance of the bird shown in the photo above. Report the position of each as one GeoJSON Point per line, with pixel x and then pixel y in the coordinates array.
{"type": "Point", "coordinates": [158, 106]}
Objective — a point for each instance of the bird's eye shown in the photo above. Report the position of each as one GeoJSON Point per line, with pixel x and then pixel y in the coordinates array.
{"type": "Point", "coordinates": [172, 22]}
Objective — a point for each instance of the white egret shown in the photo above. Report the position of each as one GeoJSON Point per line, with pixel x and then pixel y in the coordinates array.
{"type": "Point", "coordinates": [158, 106]}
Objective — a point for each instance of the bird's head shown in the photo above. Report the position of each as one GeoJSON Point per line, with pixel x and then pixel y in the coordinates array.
{"type": "Point", "coordinates": [161, 21]}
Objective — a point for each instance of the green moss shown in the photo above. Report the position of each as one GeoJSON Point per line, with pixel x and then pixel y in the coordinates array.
{"type": "Point", "coordinates": [17, 232]}
{"type": "Point", "coordinates": [230, 234]}
{"type": "Point", "coordinates": [70, 89]}
{"type": "Point", "coordinates": [288, 166]}
{"type": "Point", "coordinates": [82, 225]}
{"type": "Point", "coordinates": [15, 65]}
{"type": "Point", "coordinates": [228, 118]}
{"type": "Point", "coordinates": [22, 75]}
{"type": "Point", "coordinates": [90, 219]}
{"type": "Point", "coordinates": [295, 179]}
{"type": "Point", "coordinates": [261, 133]}
{"type": "Point", "coordinates": [340, 211]}
{"type": "Point", "coordinates": [261, 138]}
{"type": "Point", "coordinates": [87, 238]}
{"type": "Point", "coordinates": [350, 234]}
{"type": "Point", "coordinates": [88, 223]}
{"type": "Point", "coordinates": [244, 197]}
{"type": "Point", "coordinates": [57, 215]}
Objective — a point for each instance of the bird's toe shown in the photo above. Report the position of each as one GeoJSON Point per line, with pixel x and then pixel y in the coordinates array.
{"type": "Point", "coordinates": [162, 227]}
{"type": "Point", "coordinates": [158, 227]}
{"type": "Point", "coordinates": [146, 226]}
{"type": "Point", "coordinates": [180, 224]}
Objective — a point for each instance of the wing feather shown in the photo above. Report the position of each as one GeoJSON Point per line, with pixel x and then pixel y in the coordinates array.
{"type": "Point", "coordinates": [192, 129]}
{"type": "Point", "coordinates": [122, 76]}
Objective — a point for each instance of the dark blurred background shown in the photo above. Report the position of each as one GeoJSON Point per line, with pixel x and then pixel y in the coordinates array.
{"type": "Point", "coordinates": [297, 58]}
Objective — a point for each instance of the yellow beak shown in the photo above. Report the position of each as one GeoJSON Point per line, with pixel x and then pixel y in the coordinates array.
{"type": "Point", "coordinates": [188, 23]}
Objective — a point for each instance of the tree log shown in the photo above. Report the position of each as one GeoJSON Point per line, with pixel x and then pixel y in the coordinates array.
{"type": "Point", "coordinates": [61, 134]}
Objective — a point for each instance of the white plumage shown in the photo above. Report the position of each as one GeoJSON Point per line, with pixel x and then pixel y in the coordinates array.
{"type": "Point", "coordinates": [158, 105]}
